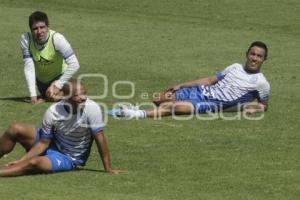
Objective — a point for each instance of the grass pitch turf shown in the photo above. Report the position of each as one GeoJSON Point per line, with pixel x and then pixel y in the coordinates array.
{"type": "Point", "coordinates": [156, 44]}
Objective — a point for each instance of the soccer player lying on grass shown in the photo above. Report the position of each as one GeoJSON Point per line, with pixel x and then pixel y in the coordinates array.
{"type": "Point", "coordinates": [64, 140]}
{"type": "Point", "coordinates": [236, 85]}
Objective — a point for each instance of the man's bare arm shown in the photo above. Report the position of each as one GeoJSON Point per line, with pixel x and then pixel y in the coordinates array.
{"type": "Point", "coordinates": [104, 153]}
{"type": "Point", "coordinates": [256, 108]}
{"type": "Point", "coordinates": [36, 150]}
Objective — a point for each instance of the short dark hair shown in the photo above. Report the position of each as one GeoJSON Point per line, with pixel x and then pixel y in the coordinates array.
{"type": "Point", "coordinates": [70, 86]}
{"type": "Point", "coordinates": [38, 16]}
{"type": "Point", "coordinates": [260, 45]}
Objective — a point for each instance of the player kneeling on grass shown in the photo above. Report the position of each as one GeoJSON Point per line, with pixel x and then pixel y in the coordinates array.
{"type": "Point", "coordinates": [64, 140]}
{"type": "Point", "coordinates": [49, 60]}
{"type": "Point", "coordinates": [236, 85]}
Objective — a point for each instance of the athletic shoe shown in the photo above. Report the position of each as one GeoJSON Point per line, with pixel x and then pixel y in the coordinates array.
{"type": "Point", "coordinates": [123, 111]}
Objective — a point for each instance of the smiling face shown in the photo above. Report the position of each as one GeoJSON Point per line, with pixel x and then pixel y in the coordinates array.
{"type": "Point", "coordinates": [40, 31]}
{"type": "Point", "coordinates": [255, 58]}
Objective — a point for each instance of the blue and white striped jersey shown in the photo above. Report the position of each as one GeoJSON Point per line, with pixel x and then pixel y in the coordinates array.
{"type": "Point", "coordinates": [71, 134]}
{"type": "Point", "coordinates": [236, 86]}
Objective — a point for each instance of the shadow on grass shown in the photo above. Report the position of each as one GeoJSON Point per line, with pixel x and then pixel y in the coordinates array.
{"type": "Point", "coordinates": [17, 99]}
{"type": "Point", "coordinates": [49, 174]}
{"type": "Point", "coordinates": [91, 170]}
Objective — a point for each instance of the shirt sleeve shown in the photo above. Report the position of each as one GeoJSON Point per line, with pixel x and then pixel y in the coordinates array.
{"type": "Point", "coordinates": [25, 46]}
{"type": "Point", "coordinates": [47, 125]}
{"type": "Point", "coordinates": [64, 47]}
{"type": "Point", "coordinates": [29, 70]}
{"type": "Point", "coordinates": [222, 74]}
{"type": "Point", "coordinates": [263, 92]}
{"type": "Point", "coordinates": [94, 117]}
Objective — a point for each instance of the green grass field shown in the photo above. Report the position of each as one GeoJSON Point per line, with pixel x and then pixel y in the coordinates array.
{"type": "Point", "coordinates": [155, 44]}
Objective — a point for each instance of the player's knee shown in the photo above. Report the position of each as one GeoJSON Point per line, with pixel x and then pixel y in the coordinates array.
{"type": "Point", "coordinates": [35, 163]}
{"type": "Point", "coordinates": [163, 97]}
{"type": "Point", "coordinates": [14, 129]}
{"type": "Point", "coordinates": [38, 165]}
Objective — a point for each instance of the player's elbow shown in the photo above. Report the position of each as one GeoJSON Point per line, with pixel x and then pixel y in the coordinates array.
{"type": "Point", "coordinates": [76, 67]}
{"type": "Point", "coordinates": [73, 63]}
{"type": "Point", "coordinates": [264, 107]}
{"type": "Point", "coordinates": [212, 80]}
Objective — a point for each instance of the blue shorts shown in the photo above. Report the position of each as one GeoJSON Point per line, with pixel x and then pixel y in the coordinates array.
{"type": "Point", "coordinates": [60, 162]}
{"type": "Point", "coordinates": [195, 96]}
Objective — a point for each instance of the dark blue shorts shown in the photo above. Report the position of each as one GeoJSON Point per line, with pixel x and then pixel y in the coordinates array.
{"type": "Point", "coordinates": [60, 162]}
{"type": "Point", "coordinates": [42, 87]}
{"type": "Point", "coordinates": [195, 96]}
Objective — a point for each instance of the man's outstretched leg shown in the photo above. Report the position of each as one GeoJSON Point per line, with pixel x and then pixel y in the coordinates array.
{"type": "Point", "coordinates": [17, 132]}
{"type": "Point", "coordinates": [164, 109]}
{"type": "Point", "coordinates": [170, 108]}
{"type": "Point", "coordinates": [38, 164]}
{"type": "Point", "coordinates": [166, 104]}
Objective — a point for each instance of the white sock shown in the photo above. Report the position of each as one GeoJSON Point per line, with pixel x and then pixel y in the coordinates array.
{"type": "Point", "coordinates": [136, 113]}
